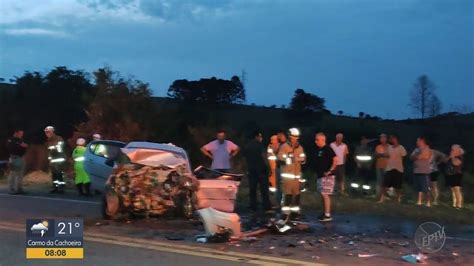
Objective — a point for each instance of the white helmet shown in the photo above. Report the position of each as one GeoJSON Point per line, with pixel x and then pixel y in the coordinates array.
{"type": "Point", "coordinates": [294, 132]}
{"type": "Point", "coordinates": [80, 141]}
{"type": "Point", "coordinates": [96, 136]}
{"type": "Point", "coordinates": [49, 129]}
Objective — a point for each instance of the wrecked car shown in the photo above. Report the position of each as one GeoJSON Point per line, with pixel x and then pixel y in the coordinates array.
{"type": "Point", "coordinates": [143, 178]}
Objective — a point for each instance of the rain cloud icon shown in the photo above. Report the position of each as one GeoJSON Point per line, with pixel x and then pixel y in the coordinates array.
{"type": "Point", "coordinates": [40, 228]}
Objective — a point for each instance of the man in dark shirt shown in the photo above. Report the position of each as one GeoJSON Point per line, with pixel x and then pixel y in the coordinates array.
{"type": "Point", "coordinates": [256, 156]}
{"type": "Point", "coordinates": [325, 163]}
{"type": "Point", "coordinates": [16, 148]}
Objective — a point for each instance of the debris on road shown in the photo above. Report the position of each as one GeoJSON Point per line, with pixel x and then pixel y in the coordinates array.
{"type": "Point", "coordinates": [175, 238]}
{"type": "Point", "coordinates": [366, 255]}
{"type": "Point", "coordinates": [249, 239]}
{"type": "Point", "coordinates": [413, 258]}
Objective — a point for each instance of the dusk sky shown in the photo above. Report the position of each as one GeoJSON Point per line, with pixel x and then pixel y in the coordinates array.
{"type": "Point", "coordinates": [359, 55]}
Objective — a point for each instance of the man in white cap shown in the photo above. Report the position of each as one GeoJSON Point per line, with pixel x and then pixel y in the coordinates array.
{"type": "Point", "coordinates": [96, 136]}
{"type": "Point", "coordinates": [57, 159]}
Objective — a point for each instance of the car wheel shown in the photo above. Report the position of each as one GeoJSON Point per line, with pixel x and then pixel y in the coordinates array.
{"type": "Point", "coordinates": [110, 205]}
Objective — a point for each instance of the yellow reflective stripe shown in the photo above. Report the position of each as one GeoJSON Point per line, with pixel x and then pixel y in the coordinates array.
{"type": "Point", "coordinates": [295, 209]}
{"type": "Point", "coordinates": [52, 147]}
{"type": "Point", "coordinates": [269, 150]}
{"type": "Point", "coordinates": [302, 155]}
{"type": "Point", "coordinates": [57, 160]}
{"type": "Point", "coordinates": [286, 175]}
{"type": "Point", "coordinates": [272, 158]}
{"type": "Point", "coordinates": [79, 159]}
{"type": "Point", "coordinates": [272, 189]}
{"type": "Point", "coordinates": [364, 157]}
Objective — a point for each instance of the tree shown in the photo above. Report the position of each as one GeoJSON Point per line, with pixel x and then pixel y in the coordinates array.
{"type": "Point", "coordinates": [361, 114]}
{"type": "Point", "coordinates": [122, 108]}
{"type": "Point", "coordinates": [434, 108]}
{"type": "Point", "coordinates": [211, 90]}
{"type": "Point", "coordinates": [303, 101]}
{"type": "Point", "coordinates": [57, 98]}
{"type": "Point", "coordinates": [340, 112]}
{"type": "Point", "coordinates": [422, 95]}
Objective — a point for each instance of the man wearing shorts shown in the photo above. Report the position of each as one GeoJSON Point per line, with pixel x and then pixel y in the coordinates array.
{"type": "Point", "coordinates": [394, 169]}
{"type": "Point", "coordinates": [341, 150]}
{"type": "Point", "coordinates": [325, 164]}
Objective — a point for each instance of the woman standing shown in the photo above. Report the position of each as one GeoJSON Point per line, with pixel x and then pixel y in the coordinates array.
{"type": "Point", "coordinates": [421, 158]}
{"type": "Point", "coordinates": [454, 174]}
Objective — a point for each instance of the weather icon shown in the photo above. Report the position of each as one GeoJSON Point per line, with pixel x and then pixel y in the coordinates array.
{"type": "Point", "coordinates": [40, 228]}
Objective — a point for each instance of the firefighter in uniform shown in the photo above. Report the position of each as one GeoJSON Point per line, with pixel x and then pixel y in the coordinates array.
{"type": "Point", "coordinates": [292, 156]}
{"type": "Point", "coordinates": [57, 159]}
{"type": "Point", "coordinates": [272, 151]}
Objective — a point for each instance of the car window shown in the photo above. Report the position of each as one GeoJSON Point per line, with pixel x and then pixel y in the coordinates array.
{"type": "Point", "coordinates": [105, 150]}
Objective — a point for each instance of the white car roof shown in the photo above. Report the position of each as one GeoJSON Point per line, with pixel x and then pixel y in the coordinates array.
{"type": "Point", "coordinates": [154, 146]}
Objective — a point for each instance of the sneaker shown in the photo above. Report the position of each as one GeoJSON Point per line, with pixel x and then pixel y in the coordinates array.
{"type": "Point", "coordinates": [324, 218]}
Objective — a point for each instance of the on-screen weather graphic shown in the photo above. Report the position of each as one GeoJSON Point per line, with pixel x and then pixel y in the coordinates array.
{"type": "Point", "coordinates": [40, 228]}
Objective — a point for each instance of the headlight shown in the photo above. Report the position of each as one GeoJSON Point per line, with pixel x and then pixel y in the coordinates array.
{"type": "Point", "coordinates": [366, 187]}
{"type": "Point", "coordinates": [354, 185]}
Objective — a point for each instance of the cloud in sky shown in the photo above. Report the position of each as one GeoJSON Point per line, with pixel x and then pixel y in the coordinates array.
{"type": "Point", "coordinates": [36, 31]}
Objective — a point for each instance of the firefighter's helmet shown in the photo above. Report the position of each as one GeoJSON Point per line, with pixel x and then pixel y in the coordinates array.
{"type": "Point", "coordinates": [97, 136]}
{"type": "Point", "coordinates": [294, 132]}
{"type": "Point", "coordinates": [49, 129]}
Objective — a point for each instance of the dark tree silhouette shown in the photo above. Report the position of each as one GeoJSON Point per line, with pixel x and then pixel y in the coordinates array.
{"type": "Point", "coordinates": [423, 99]}
{"type": "Point", "coordinates": [435, 106]}
{"type": "Point", "coordinates": [361, 114]}
{"type": "Point", "coordinates": [211, 90]}
{"type": "Point", "coordinates": [122, 108]}
{"type": "Point", "coordinates": [303, 101]}
{"type": "Point", "coordinates": [340, 112]}
{"type": "Point", "coordinates": [57, 98]}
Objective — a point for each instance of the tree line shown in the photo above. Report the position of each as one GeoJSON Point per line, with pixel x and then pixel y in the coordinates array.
{"type": "Point", "coordinates": [121, 107]}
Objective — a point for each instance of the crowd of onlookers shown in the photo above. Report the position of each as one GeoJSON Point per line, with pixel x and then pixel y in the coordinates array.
{"type": "Point", "coordinates": [278, 167]}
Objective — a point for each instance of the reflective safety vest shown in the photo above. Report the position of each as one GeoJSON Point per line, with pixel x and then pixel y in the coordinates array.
{"type": "Point", "coordinates": [291, 160]}
{"type": "Point", "coordinates": [55, 146]}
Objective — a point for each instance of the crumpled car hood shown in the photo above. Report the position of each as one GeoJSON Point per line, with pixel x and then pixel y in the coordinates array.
{"type": "Point", "coordinates": [155, 158]}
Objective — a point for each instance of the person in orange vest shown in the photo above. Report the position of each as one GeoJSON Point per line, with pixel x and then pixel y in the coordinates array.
{"type": "Point", "coordinates": [272, 151]}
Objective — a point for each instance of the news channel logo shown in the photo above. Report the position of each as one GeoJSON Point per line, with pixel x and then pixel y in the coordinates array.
{"type": "Point", "coordinates": [430, 237]}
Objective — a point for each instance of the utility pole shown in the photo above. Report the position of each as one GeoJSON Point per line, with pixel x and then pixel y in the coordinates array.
{"type": "Point", "coordinates": [243, 78]}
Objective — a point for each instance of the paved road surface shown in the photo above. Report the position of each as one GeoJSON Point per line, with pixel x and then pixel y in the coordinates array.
{"type": "Point", "coordinates": [119, 245]}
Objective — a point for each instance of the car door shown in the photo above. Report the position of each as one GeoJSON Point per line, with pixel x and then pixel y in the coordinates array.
{"type": "Point", "coordinates": [99, 160]}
